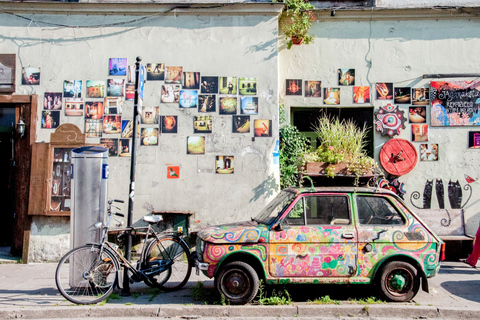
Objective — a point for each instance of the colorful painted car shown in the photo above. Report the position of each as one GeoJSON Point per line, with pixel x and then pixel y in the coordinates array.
{"type": "Point", "coordinates": [326, 235]}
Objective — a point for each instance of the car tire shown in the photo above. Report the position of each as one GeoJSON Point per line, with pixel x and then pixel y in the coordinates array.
{"type": "Point", "coordinates": [238, 283]}
{"type": "Point", "coordinates": [398, 281]}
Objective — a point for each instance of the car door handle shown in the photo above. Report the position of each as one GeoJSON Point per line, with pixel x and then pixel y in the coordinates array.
{"type": "Point", "coordinates": [348, 235]}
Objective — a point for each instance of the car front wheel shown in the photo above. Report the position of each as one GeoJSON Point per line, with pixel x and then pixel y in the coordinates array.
{"type": "Point", "coordinates": [398, 281]}
{"type": "Point", "coordinates": [237, 282]}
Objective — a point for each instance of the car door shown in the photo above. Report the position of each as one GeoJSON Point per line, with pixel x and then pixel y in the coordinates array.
{"type": "Point", "coordinates": [317, 238]}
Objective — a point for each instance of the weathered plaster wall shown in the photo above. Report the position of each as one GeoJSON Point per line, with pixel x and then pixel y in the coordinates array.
{"type": "Point", "coordinates": [214, 45]}
{"type": "Point", "coordinates": [399, 50]}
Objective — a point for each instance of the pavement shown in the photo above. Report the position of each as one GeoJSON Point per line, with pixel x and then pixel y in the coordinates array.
{"type": "Point", "coordinates": [28, 291]}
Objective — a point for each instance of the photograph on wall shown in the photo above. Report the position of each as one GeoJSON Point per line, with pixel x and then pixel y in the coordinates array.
{"type": "Point", "coordinates": [93, 110]}
{"type": "Point", "coordinates": [191, 80]}
{"type": "Point", "coordinates": [429, 152]}
{"type": "Point", "coordinates": [419, 132]}
{"type": "Point", "coordinates": [111, 145]}
{"type": "Point", "coordinates": [313, 89]}
{"type": "Point", "coordinates": [195, 145]}
{"type": "Point", "coordinates": [247, 86]}
{"type": "Point", "coordinates": [331, 95]}
{"type": "Point", "coordinates": [293, 87]}
{"type": "Point", "coordinates": [117, 67]}
{"type": "Point", "coordinates": [402, 95]}
{"type": "Point", "coordinates": [93, 127]}
{"type": "Point", "coordinates": [95, 88]}
{"type": "Point", "coordinates": [131, 74]}
{"type": "Point", "coordinates": [474, 139]}
{"type": "Point", "coordinates": [31, 76]}
{"type": "Point", "coordinates": [52, 101]}
{"type": "Point", "coordinates": [125, 147]}
{"type": "Point", "coordinates": [130, 91]}
{"type": "Point", "coordinates": [202, 124]}
{"type": "Point", "coordinates": [228, 105]}
{"type": "Point", "coordinates": [346, 77]}
{"type": "Point", "coordinates": [155, 71]}
{"type": "Point", "coordinates": [116, 87]}
{"type": "Point", "coordinates": [241, 124]}
{"type": "Point", "coordinates": [209, 84]}
{"type": "Point", "coordinates": [188, 99]}
{"type": "Point", "coordinates": [361, 94]}
{"type": "Point", "coordinates": [170, 93]}
{"type": "Point", "coordinates": [73, 107]}
{"type": "Point", "coordinates": [420, 96]}
{"type": "Point", "coordinates": [248, 105]}
{"type": "Point", "coordinates": [150, 115]}
{"type": "Point", "coordinates": [72, 88]}
{"type": "Point", "coordinates": [224, 164]}
{"type": "Point", "coordinates": [127, 129]}
{"type": "Point", "coordinates": [455, 103]}
{"type": "Point", "coordinates": [263, 128]}
{"type": "Point", "coordinates": [207, 103]}
{"type": "Point", "coordinates": [113, 105]}
{"type": "Point", "coordinates": [7, 72]}
{"type": "Point", "coordinates": [417, 114]}
{"type": "Point", "coordinates": [228, 85]}
{"type": "Point", "coordinates": [384, 90]}
{"type": "Point", "coordinates": [50, 119]}
{"type": "Point", "coordinates": [173, 75]}
{"type": "Point", "coordinates": [149, 136]}
{"type": "Point", "coordinates": [169, 124]}
{"type": "Point", "coordinates": [173, 172]}
{"type": "Point", "coordinates": [112, 124]}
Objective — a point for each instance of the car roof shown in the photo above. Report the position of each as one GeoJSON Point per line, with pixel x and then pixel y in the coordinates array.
{"type": "Point", "coordinates": [343, 189]}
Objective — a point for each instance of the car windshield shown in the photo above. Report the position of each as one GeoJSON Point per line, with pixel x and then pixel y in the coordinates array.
{"type": "Point", "coordinates": [270, 212]}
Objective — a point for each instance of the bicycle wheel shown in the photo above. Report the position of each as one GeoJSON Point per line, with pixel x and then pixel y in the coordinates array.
{"type": "Point", "coordinates": [174, 255]}
{"type": "Point", "coordinates": [84, 276]}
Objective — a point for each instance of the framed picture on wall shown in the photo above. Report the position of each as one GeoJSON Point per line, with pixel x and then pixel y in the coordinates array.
{"type": "Point", "coordinates": [313, 89]}
{"type": "Point", "coordinates": [346, 77]}
{"type": "Point", "coordinates": [361, 94]}
{"type": "Point", "coordinates": [429, 152]}
{"type": "Point", "coordinates": [293, 87]}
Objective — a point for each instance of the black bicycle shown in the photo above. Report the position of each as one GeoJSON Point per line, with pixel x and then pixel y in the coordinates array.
{"type": "Point", "coordinates": [88, 274]}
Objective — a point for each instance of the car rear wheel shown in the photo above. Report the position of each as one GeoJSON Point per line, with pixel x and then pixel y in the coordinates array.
{"type": "Point", "coordinates": [237, 282]}
{"type": "Point", "coordinates": [398, 281]}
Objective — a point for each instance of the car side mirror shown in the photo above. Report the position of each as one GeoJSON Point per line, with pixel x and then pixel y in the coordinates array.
{"type": "Point", "coordinates": [278, 227]}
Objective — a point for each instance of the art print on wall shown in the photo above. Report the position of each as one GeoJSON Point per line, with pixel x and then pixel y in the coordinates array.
{"type": "Point", "coordinates": [313, 89]}
{"type": "Point", "coordinates": [195, 145]}
{"type": "Point", "coordinates": [150, 115]}
{"type": "Point", "coordinates": [346, 77]}
{"type": "Point", "coordinates": [31, 76]}
{"type": "Point", "coordinates": [173, 172]}
{"type": "Point", "coordinates": [95, 88]}
{"type": "Point", "coordinates": [112, 124]}
{"type": "Point", "coordinates": [202, 124]}
{"type": "Point", "coordinates": [191, 80]}
{"type": "Point", "coordinates": [72, 89]}
{"type": "Point", "coordinates": [419, 132]}
{"type": "Point", "coordinates": [117, 67]}
{"type": "Point", "coordinates": [130, 91]}
{"type": "Point", "coordinates": [417, 114]}
{"type": "Point", "coordinates": [402, 95]}
{"type": "Point", "coordinates": [429, 152]}
{"type": "Point", "coordinates": [331, 96]}
{"type": "Point", "coordinates": [93, 127]}
{"type": "Point", "coordinates": [228, 105]}
{"type": "Point", "coordinates": [7, 72]}
{"type": "Point", "coordinates": [293, 87]}
{"type": "Point", "coordinates": [116, 87]}
{"type": "Point", "coordinates": [127, 129]}
{"type": "Point", "coordinates": [188, 99]}
{"type": "Point", "coordinates": [361, 94]}
{"type": "Point", "coordinates": [389, 120]}
{"type": "Point", "coordinates": [241, 124]}
{"type": "Point", "coordinates": [125, 147]}
{"type": "Point", "coordinates": [228, 85]}
{"type": "Point", "coordinates": [209, 85]}
{"type": "Point", "coordinates": [155, 71]}
{"type": "Point", "coordinates": [52, 101]}
{"type": "Point", "coordinates": [73, 107]}
{"type": "Point", "coordinates": [224, 164]}
{"type": "Point", "coordinates": [169, 124]}
{"type": "Point", "coordinates": [474, 139]}
{"type": "Point", "coordinates": [50, 119]}
{"type": "Point", "coordinates": [131, 74]}
{"type": "Point", "coordinates": [113, 105]}
{"type": "Point", "coordinates": [248, 105]}
{"type": "Point", "coordinates": [420, 96]}
{"type": "Point", "coordinates": [247, 86]}
{"type": "Point", "coordinates": [170, 93]}
{"type": "Point", "coordinates": [262, 128]}
{"type": "Point", "coordinates": [93, 110]}
{"type": "Point", "coordinates": [384, 90]}
{"type": "Point", "coordinates": [149, 136]}
{"type": "Point", "coordinates": [173, 75]}
{"type": "Point", "coordinates": [207, 102]}
{"type": "Point", "coordinates": [111, 145]}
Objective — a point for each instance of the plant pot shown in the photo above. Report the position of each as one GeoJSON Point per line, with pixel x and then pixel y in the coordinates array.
{"type": "Point", "coordinates": [296, 41]}
{"type": "Point", "coordinates": [315, 169]}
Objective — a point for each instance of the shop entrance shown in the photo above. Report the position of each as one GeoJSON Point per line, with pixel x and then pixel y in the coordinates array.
{"type": "Point", "coordinates": [7, 193]}
{"type": "Point", "coordinates": [306, 118]}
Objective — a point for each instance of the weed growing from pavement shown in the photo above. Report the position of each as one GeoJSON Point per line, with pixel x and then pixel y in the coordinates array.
{"type": "Point", "coordinates": [135, 295]}
{"type": "Point", "coordinates": [155, 293]}
{"type": "Point", "coordinates": [326, 300]}
{"type": "Point", "coordinates": [369, 300]}
{"type": "Point", "coordinates": [129, 304]}
{"type": "Point", "coordinates": [281, 297]}
{"type": "Point", "coordinates": [207, 295]}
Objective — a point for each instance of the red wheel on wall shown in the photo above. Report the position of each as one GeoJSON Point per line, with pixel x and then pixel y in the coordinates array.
{"type": "Point", "coordinates": [398, 157]}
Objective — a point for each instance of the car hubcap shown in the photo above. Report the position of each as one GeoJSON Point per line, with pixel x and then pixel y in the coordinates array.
{"type": "Point", "coordinates": [236, 283]}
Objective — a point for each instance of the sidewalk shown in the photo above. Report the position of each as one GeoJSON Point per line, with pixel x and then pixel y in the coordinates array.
{"type": "Point", "coordinates": [29, 291]}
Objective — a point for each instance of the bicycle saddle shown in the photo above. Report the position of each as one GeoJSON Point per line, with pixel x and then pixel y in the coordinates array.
{"type": "Point", "coordinates": [152, 219]}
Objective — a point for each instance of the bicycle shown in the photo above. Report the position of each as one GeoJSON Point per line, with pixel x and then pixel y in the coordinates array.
{"type": "Point", "coordinates": [89, 273]}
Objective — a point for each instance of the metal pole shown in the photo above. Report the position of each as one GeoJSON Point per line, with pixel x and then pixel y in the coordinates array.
{"type": "Point", "coordinates": [131, 194]}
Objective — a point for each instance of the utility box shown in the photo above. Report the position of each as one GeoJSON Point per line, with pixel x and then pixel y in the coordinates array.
{"type": "Point", "coordinates": [89, 194]}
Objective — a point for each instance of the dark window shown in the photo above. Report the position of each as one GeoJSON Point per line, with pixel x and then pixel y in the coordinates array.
{"type": "Point", "coordinates": [377, 211]}
{"type": "Point", "coordinates": [320, 210]}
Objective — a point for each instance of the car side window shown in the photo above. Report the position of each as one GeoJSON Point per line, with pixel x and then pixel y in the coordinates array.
{"type": "Point", "coordinates": [296, 216]}
{"type": "Point", "coordinates": [327, 209]}
{"type": "Point", "coordinates": [374, 210]}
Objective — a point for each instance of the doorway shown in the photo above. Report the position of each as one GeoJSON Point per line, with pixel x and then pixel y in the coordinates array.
{"type": "Point", "coordinates": [7, 175]}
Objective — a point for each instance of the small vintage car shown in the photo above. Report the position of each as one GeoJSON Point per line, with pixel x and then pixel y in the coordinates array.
{"type": "Point", "coordinates": [323, 235]}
